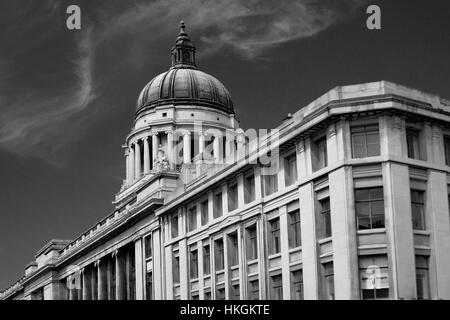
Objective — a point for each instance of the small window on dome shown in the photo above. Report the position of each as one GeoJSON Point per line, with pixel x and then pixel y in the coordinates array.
{"type": "Point", "coordinates": [164, 114]}
{"type": "Point", "coordinates": [218, 119]}
{"type": "Point", "coordinates": [192, 114]}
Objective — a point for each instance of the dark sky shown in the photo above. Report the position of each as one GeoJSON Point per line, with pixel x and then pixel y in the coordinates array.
{"type": "Point", "coordinates": [67, 98]}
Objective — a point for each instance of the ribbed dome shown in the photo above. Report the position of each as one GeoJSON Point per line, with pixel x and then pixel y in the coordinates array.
{"type": "Point", "coordinates": [184, 85]}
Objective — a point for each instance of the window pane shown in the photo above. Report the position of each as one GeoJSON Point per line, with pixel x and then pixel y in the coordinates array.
{"type": "Point", "coordinates": [362, 209]}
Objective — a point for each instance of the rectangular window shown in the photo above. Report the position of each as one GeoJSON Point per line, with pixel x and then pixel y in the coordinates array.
{"type": "Point", "coordinates": [148, 246]}
{"type": "Point", "coordinates": [208, 295]}
{"type": "Point", "coordinates": [374, 277]}
{"type": "Point", "coordinates": [290, 169]}
{"type": "Point", "coordinates": [325, 218]}
{"type": "Point", "coordinates": [365, 141]}
{"type": "Point", "coordinates": [249, 188]}
{"type": "Point", "coordinates": [233, 252]}
{"type": "Point", "coordinates": [270, 183]}
{"type": "Point", "coordinates": [232, 197]}
{"type": "Point", "coordinates": [174, 225]}
{"type": "Point", "coordinates": [276, 287]}
{"type": "Point", "coordinates": [297, 285]}
{"type": "Point", "coordinates": [149, 286]}
{"type": "Point", "coordinates": [319, 154]}
{"type": "Point", "coordinates": [176, 268]}
{"type": "Point", "coordinates": [217, 212]}
{"type": "Point", "coordinates": [195, 296]}
{"type": "Point", "coordinates": [193, 262]}
{"type": "Point", "coordinates": [192, 218]}
{"type": "Point", "coordinates": [328, 281]}
{"type": "Point", "coordinates": [206, 260]}
{"type": "Point", "coordinates": [220, 294]}
{"type": "Point", "coordinates": [235, 295]}
{"type": "Point", "coordinates": [447, 150]}
{"type": "Point", "coordinates": [274, 236]}
{"type": "Point", "coordinates": [218, 255]}
{"type": "Point", "coordinates": [418, 209]}
{"type": "Point", "coordinates": [369, 206]}
{"type": "Point", "coordinates": [204, 212]}
{"type": "Point", "coordinates": [294, 232]}
{"type": "Point", "coordinates": [422, 278]}
{"type": "Point", "coordinates": [253, 290]}
{"type": "Point", "coordinates": [412, 142]}
{"type": "Point", "coordinates": [252, 243]}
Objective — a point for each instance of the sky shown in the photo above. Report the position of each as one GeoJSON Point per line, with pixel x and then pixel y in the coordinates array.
{"type": "Point", "coordinates": [67, 97]}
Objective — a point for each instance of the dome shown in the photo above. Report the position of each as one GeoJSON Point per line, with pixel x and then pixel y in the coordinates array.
{"type": "Point", "coordinates": [184, 84]}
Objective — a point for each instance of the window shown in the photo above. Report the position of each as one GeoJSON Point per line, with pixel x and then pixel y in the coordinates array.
{"type": "Point", "coordinates": [235, 295]}
{"type": "Point", "coordinates": [270, 184]}
{"type": "Point", "coordinates": [249, 188]}
{"type": "Point", "coordinates": [193, 262]}
{"type": "Point", "coordinates": [195, 296]}
{"type": "Point", "coordinates": [297, 285]}
{"type": "Point", "coordinates": [412, 142]}
{"type": "Point", "coordinates": [365, 141]}
{"type": "Point", "coordinates": [148, 246]}
{"type": "Point", "coordinates": [274, 236]}
{"type": "Point", "coordinates": [204, 212]}
{"type": "Point", "coordinates": [418, 209]}
{"type": "Point", "coordinates": [374, 277]}
{"type": "Point", "coordinates": [174, 225]}
{"type": "Point", "coordinates": [192, 218]}
{"type": "Point", "coordinates": [253, 290]}
{"type": "Point", "coordinates": [290, 169]}
{"type": "Point", "coordinates": [208, 295]}
{"type": "Point", "coordinates": [328, 281]}
{"type": "Point", "coordinates": [220, 294]}
{"type": "Point", "coordinates": [218, 255]}
{"type": "Point", "coordinates": [319, 154]}
{"type": "Point", "coordinates": [276, 287]}
{"type": "Point", "coordinates": [252, 245]}
{"type": "Point", "coordinates": [447, 150]}
{"type": "Point", "coordinates": [294, 232]}
{"type": "Point", "coordinates": [149, 286]}
{"type": "Point", "coordinates": [217, 212]}
{"type": "Point", "coordinates": [324, 218]}
{"type": "Point", "coordinates": [176, 268]}
{"type": "Point", "coordinates": [232, 197]}
{"type": "Point", "coordinates": [422, 278]}
{"type": "Point", "coordinates": [206, 260]}
{"type": "Point", "coordinates": [233, 252]}
{"type": "Point", "coordinates": [369, 206]}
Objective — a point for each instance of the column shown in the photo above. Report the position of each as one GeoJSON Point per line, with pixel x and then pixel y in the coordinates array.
{"type": "Point", "coordinates": [146, 156]}
{"type": "Point", "coordinates": [186, 147]}
{"type": "Point", "coordinates": [71, 289]}
{"type": "Point", "coordinates": [137, 162]}
{"type": "Point", "coordinates": [131, 164]}
{"type": "Point", "coordinates": [127, 166]}
{"type": "Point", "coordinates": [168, 272]}
{"type": "Point", "coordinates": [309, 244]}
{"type": "Point", "coordinates": [437, 221]}
{"type": "Point", "coordinates": [345, 257]}
{"type": "Point", "coordinates": [229, 149]}
{"type": "Point", "coordinates": [201, 142]}
{"type": "Point", "coordinates": [184, 275]}
{"type": "Point", "coordinates": [170, 151]}
{"type": "Point", "coordinates": [285, 253]}
{"type": "Point", "coordinates": [86, 285]}
{"type": "Point", "coordinates": [120, 276]}
{"type": "Point", "coordinates": [101, 280]}
{"type": "Point", "coordinates": [157, 263]}
{"type": "Point", "coordinates": [240, 140]}
{"type": "Point", "coordinates": [399, 231]}
{"type": "Point", "coordinates": [139, 267]}
{"type": "Point", "coordinates": [155, 145]}
{"type": "Point", "coordinates": [216, 149]}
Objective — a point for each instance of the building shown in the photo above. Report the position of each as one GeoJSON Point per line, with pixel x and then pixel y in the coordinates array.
{"type": "Point", "coordinates": [348, 198]}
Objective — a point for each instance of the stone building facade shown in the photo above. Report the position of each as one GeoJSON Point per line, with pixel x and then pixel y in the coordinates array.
{"type": "Point", "coordinates": [348, 198]}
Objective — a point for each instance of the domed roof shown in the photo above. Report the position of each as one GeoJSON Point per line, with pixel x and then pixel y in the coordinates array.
{"type": "Point", "coordinates": [184, 84]}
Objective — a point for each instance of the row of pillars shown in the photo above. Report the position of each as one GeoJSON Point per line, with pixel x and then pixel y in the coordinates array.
{"type": "Point", "coordinates": [110, 278]}
{"type": "Point", "coordinates": [139, 160]}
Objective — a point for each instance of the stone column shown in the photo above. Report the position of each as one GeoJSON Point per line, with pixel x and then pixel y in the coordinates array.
{"type": "Point", "coordinates": [285, 253]}
{"type": "Point", "coordinates": [157, 265]}
{"type": "Point", "coordinates": [155, 146]}
{"type": "Point", "coordinates": [170, 151]}
{"type": "Point", "coordinates": [139, 263]}
{"type": "Point", "coordinates": [201, 142]}
{"type": "Point", "coordinates": [131, 165]}
{"type": "Point", "coordinates": [216, 149]}
{"type": "Point", "coordinates": [127, 166]}
{"type": "Point", "coordinates": [187, 147]}
{"type": "Point", "coordinates": [101, 281]}
{"type": "Point", "coordinates": [137, 162]}
{"type": "Point", "coordinates": [240, 140]}
{"type": "Point", "coordinates": [120, 276]}
{"type": "Point", "coordinates": [229, 148]}
{"type": "Point", "coordinates": [86, 285]}
{"type": "Point", "coordinates": [146, 156]}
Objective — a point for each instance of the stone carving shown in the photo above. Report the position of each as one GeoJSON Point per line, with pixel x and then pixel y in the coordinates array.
{"type": "Point", "coordinates": [161, 163]}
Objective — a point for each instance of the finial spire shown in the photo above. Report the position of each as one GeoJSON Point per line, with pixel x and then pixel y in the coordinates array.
{"type": "Point", "coordinates": [183, 53]}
